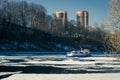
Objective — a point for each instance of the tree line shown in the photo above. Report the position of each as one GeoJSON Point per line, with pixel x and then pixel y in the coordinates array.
{"type": "Point", "coordinates": [31, 15]}
{"type": "Point", "coordinates": [24, 14]}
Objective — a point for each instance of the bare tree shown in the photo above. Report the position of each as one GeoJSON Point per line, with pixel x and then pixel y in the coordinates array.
{"type": "Point", "coordinates": [38, 15]}
{"type": "Point", "coordinates": [113, 16]}
{"type": "Point", "coordinates": [112, 40]}
{"type": "Point", "coordinates": [23, 13]}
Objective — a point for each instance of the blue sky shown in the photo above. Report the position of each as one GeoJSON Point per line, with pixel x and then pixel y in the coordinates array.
{"type": "Point", "coordinates": [97, 8]}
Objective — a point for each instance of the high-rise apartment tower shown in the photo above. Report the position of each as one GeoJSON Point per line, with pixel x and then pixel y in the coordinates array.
{"type": "Point", "coordinates": [61, 16]}
{"type": "Point", "coordinates": [82, 18]}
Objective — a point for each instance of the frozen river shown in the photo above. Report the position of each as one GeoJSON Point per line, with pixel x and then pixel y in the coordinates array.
{"type": "Point", "coordinates": [58, 64]}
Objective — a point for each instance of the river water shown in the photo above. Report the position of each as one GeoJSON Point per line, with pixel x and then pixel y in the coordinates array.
{"type": "Point", "coordinates": [57, 62]}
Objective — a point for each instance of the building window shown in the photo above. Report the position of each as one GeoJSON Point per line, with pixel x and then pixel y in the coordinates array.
{"type": "Point", "coordinates": [78, 17]}
{"type": "Point", "coordinates": [79, 23]}
{"type": "Point", "coordinates": [62, 15]}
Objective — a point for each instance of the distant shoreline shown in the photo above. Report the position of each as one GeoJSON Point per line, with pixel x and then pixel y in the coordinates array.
{"type": "Point", "coordinates": [31, 53]}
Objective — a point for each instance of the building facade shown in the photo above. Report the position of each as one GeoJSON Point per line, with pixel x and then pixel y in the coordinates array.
{"type": "Point", "coordinates": [82, 18]}
{"type": "Point", "coordinates": [60, 17]}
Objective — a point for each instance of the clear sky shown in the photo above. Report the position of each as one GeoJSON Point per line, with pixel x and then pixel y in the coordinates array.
{"type": "Point", "coordinates": [97, 8]}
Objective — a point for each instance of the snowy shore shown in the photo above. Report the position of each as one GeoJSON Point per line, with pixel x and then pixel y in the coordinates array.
{"type": "Point", "coordinates": [113, 76]}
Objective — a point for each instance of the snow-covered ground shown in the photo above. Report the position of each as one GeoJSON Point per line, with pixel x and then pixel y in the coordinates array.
{"type": "Point", "coordinates": [113, 76]}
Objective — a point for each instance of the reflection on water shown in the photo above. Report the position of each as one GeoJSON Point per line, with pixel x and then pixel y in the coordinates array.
{"type": "Point", "coordinates": [31, 53]}
{"type": "Point", "coordinates": [42, 53]}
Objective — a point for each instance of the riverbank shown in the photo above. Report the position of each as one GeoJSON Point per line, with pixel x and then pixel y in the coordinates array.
{"type": "Point", "coordinates": [108, 76]}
